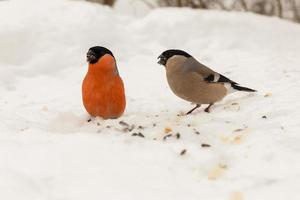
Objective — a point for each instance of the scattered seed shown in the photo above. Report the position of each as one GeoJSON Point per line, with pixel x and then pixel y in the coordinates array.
{"type": "Point", "coordinates": [141, 135]}
{"type": "Point", "coordinates": [98, 124]}
{"type": "Point", "coordinates": [205, 145]}
{"type": "Point", "coordinates": [238, 130]}
{"type": "Point", "coordinates": [138, 134]}
{"type": "Point", "coordinates": [196, 132]}
{"type": "Point", "coordinates": [177, 135]}
{"type": "Point", "coordinates": [122, 123]}
{"type": "Point", "coordinates": [89, 120]}
{"type": "Point", "coordinates": [168, 130]}
{"type": "Point", "coordinates": [264, 117]}
{"type": "Point", "coordinates": [153, 124]}
{"type": "Point", "coordinates": [108, 126]}
{"type": "Point", "coordinates": [141, 127]}
{"type": "Point", "coordinates": [183, 152]}
{"type": "Point", "coordinates": [234, 104]}
{"type": "Point", "coordinates": [237, 139]}
{"type": "Point", "coordinates": [167, 136]}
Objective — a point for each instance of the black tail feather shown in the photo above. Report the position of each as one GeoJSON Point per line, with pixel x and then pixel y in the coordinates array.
{"type": "Point", "coordinates": [240, 88]}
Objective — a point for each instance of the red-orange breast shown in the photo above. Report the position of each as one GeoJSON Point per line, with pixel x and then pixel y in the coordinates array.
{"type": "Point", "coordinates": [102, 88]}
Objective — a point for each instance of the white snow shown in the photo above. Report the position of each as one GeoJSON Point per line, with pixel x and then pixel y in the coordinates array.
{"type": "Point", "coordinates": [49, 151]}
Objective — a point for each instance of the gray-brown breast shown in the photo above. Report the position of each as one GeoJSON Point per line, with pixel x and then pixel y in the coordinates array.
{"type": "Point", "coordinates": [188, 83]}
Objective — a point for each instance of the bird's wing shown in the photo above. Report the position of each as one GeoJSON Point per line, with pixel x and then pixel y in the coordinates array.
{"type": "Point", "coordinates": [208, 74]}
{"type": "Point", "coordinates": [219, 78]}
{"type": "Point", "coordinates": [192, 65]}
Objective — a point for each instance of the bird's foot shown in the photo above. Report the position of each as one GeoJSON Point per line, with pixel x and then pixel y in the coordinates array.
{"type": "Point", "coordinates": [208, 108]}
{"type": "Point", "coordinates": [197, 106]}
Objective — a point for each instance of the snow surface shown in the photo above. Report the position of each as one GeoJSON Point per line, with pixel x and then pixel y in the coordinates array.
{"type": "Point", "coordinates": [48, 150]}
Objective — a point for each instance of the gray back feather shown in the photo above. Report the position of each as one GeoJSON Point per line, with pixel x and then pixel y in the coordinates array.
{"type": "Point", "coordinates": [192, 65]}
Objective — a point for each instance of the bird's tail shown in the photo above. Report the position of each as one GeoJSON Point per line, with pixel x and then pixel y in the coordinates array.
{"type": "Point", "coordinates": [240, 88]}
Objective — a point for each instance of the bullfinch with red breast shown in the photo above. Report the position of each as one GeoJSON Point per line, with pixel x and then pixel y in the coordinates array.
{"type": "Point", "coordinates": [103, 92]}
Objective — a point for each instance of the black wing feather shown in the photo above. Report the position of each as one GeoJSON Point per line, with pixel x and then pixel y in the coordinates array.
{"type": "Point", "coordinates": [222, 79]}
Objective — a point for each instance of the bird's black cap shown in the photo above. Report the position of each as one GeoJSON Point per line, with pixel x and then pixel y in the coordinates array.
{"type": "Point", "coordinates": [95, 53]}
{"type": "Point", "coordinates": [163, 58]}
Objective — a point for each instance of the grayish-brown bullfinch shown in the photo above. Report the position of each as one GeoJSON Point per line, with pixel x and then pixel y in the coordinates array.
{"type": "Point", "coordinates": [194, 82]}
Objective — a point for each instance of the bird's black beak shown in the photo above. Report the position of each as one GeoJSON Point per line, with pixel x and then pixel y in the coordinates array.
{"type": "Point", "coordinates": [162, 60]}
{"type": "Point", "coordinates": [91, 56]}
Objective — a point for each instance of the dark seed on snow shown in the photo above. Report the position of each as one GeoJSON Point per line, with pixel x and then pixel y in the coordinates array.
{"type": "Point", "coordinates": [183, 152]}
{"type": "Point", "coordinates": [177, 135]}
{"type": "Point", "coordinates": [264, 117]}
{"type": "Point", "coordinates": [141, 127]}
{"type": "Point", "coordinates": [166, 136]}
{"type": "Point", "coordinates": [141, 134]}
{"type": "Point", "coordinates": [89, 120]}
{"type": "Point", "coordinates": [98, 124]}
{"type": "Point", "coordinates": [205, 145]}
{"type": "Point", "coordinates": [108, 126]}
{"type": "Point", "coordinates": [122, 123]}
{"type": "Point", "coordinates": [138, 134]}
{"type": "Point", "coordinates": [238, 130]}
